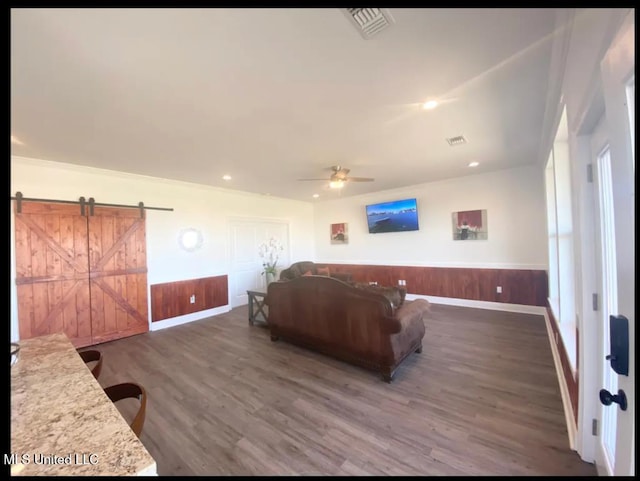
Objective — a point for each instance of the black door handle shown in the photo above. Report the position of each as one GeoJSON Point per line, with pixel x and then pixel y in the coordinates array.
{"type": "Point", "coordinates": [607, 398]}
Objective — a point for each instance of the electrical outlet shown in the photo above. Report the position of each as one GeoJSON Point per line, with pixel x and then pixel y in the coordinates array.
{"type": "Point", "coordinates": [192, 299]}
{"type": "Point", "coordinates": [499, 289]}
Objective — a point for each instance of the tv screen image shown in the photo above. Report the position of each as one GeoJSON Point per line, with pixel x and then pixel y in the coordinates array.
{"type": "Point", "coordinates": [394, 216]}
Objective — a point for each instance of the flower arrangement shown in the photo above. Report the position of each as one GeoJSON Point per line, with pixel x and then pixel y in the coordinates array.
{"type": "Point", "coordinates": [270, 253]}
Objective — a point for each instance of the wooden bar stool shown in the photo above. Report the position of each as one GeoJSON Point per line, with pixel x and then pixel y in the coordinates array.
{"type": "Point", "coordinates": [92, 356]}
{"type": "Point", "coordinates": [126, 390]}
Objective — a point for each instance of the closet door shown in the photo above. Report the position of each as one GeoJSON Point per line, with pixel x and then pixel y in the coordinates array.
{"type": "Point", "coordinates": [118, 266]}
{"type": "Point", "coordinates": [52, 271]}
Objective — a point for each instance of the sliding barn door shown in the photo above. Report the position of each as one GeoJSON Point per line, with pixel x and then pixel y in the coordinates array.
{"type": "Point", "coordinates": [118, 266]}
{"type": "Point", "coordinates": [52, 271]}
{"type": "Point", "coordinates": [84, 275]}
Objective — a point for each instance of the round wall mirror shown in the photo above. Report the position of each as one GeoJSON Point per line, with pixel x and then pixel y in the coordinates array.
{"type": "Point", "coordinates": [190, 239]}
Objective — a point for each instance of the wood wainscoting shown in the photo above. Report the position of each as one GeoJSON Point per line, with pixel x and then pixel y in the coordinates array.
{"type": "Point", "coordinates": [572, 382]}
{"type": "Point", "coordinates": [171, 299]}
{"type": "Point", "coordinates": [519, 286]}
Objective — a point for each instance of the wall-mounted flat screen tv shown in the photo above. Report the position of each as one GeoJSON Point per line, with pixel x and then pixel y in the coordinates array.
{"type": "Point", "coordinates": [394, 216]}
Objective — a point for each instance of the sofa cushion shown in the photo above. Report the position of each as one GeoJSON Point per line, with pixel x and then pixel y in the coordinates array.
{"type": "Point", "coordinates": [297, 269]}
{"type": "Point", "coordinates": [403, 294]}
{"type": "Point", "coordinates": [394, 294]}
{"type": "Point", "coordinates": [308, 273]}
{"type": "Point", "coordinates": [323, 271]}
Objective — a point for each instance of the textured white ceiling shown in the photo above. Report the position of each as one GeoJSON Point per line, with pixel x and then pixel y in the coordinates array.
{"type": "Point", "coordinates": [273, 95]}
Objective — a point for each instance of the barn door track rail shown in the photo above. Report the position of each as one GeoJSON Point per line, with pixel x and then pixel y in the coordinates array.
{"type": "Point", "coordinates": [91, 203]}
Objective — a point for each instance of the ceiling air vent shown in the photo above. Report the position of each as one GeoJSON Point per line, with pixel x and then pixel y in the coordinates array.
{"type": "Point", "coordinates": [369, 21]}
{"type": "Point", "coordinates": [458, 140]}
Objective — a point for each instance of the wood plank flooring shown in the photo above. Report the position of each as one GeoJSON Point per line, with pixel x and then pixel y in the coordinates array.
{"type": "Point", "coordinates": [481, 399]}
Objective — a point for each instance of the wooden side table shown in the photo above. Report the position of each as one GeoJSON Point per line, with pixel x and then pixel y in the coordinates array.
{"type": "Point", "coordinates": [257, 307]}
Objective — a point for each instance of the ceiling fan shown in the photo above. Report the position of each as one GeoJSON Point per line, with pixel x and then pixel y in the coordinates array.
{"type": "Point", "coordinates": [339, 176]}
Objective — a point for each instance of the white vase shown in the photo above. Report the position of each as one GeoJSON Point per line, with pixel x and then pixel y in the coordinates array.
{"type": "Point", "coordinates": [269, 277]}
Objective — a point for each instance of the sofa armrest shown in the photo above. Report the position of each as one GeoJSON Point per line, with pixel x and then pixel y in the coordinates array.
{"type": "Point", "coordinates": [391, 325]}
{"type": "Point", "coordinates": [410, 317]}
{"type": "Point", "coordinates": [410, 311]}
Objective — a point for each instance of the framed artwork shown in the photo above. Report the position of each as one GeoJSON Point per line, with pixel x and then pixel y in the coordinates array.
{"type": "Point", "coordinates": [339, 234]}
{"type": "Point", "coordinates": [469, 225]}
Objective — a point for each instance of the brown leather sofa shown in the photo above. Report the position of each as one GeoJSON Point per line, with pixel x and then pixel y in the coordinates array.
{"type": "Point", "coordinates": [301, 268]}
{"type": "Point", "coordinates": [351, 323]}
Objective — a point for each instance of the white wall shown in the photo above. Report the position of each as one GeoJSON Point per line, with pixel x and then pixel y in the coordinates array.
{"type": "Point", "coordinates": [515, 204]}
{"type": "Point", "coordinates": [202, 207]}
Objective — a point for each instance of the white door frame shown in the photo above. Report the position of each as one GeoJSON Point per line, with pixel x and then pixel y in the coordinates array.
{"type": "Point", "coordinates": [599, 142]}
{"type": "Point", "coordinates": [588, 335]}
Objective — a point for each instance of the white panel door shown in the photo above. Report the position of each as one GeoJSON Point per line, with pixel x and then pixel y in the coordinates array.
{"type": "Point", "coordinates": [245, 237]}
{"type": "Point", "coordinates": [618, 70]}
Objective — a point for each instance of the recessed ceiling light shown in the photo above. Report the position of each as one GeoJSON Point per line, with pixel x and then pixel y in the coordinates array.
{"type": "Point", "coordinates": [474, 164]}
{"type": "Point", "coordinates": [226, 177]}
{"type": "Point", "coordinates": [315, 196]}
{"type": "Point", "coordinates": [430, 104]}
{"type": "Point", "coordinates": [16, 140]}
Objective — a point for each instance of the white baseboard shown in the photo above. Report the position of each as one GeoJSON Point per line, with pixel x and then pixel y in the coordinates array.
{"type": "Point", "coordinates": [572, 428]}
{"type": "Point", "coordinates": [195, 316]}
{"type": "Point", "coordinates": [494, 306]}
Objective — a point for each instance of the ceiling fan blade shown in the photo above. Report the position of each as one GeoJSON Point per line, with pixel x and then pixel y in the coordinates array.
{"type": "Point", "coordinates": [360, 179]}
{"type": "Point", "coordinates": [314, 179]}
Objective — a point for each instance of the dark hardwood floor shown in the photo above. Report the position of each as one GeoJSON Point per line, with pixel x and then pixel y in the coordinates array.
{"type": "Point", "coordinates": [481, 399]}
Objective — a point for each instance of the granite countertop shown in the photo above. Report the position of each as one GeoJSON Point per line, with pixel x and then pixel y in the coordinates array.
{"type": "Point", "coordinates": [61, 414]}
